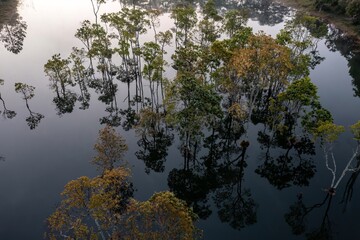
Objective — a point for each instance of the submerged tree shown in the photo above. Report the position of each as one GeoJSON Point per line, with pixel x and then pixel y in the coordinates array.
{"type": "Point", "coordinates": [163, 216]}
{"type": "Point", "coordinates": [92, 208]}
{"type": "Point", "coordinates": [59, 73]}
{"type": "Point", "coordinates": [185, 20]}
{"type": "Point", "coordinates": [110, 148]}
{"type": "Point", "coordinates": [103, 208]}
{"type": "Point", "coordinates": [263, 67]}
{"type": "Point", "coordinates": [329, 132]}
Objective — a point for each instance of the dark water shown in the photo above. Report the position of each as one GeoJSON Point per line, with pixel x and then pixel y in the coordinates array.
{"type": "Point", "coordinates": [39, 162]}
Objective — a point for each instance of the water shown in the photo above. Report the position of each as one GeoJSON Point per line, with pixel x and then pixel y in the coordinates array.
{"type": "Point", "coordinates": [39, 162]}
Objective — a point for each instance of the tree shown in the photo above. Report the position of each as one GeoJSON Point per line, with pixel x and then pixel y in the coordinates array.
{"type": "Point", "coordinates": [60, 76]}
{"type": "Point", "coordinates": [185, 20]}
{"type": "Point", "coordinates": [191, 105]}
{"type": "Point", "coordinates": [92, 208]}
{"type": "Point", "coordinates": [263, 67]}
{"type": "Point", "coordinates": [329, 132]}
{"type": "Point", "coordinates": [163, 216]}
{"type": "Point", "coordinates": [96, 4]}
{"type": "Point", "coordinates": [353, 10]}
{"type": "Point", "coordinates": [110, 148]}
{"type": "Point", "coordinates": [234, 20]}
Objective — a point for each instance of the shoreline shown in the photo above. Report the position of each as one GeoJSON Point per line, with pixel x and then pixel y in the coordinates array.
{"type": "Point", "coordinates": [341, 22]}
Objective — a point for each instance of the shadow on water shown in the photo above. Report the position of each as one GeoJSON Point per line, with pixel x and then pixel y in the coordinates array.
{"type": "Point", "coordinates": [349, 48]}
{"type": "Point", "coordinates": [296, 218]}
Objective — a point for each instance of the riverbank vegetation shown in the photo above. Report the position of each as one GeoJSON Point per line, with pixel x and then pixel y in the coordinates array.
{"type": "Point", "coordinates": [345, 14]}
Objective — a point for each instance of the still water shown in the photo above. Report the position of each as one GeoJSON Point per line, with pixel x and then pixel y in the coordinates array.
{"type": "Point", "coordinates": [38, 162]}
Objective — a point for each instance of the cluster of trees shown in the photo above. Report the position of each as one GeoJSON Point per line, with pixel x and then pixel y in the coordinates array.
{"type": "Point", "coordinates": [227, 78]}
{"type": "Point", "coordinates": [103, 207]}
{"type": "Point", "coordinates": [350, 8]}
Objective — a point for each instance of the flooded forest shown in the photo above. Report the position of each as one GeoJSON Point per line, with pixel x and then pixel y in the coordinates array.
{"type": "Point", "coordinates": [217, 119]}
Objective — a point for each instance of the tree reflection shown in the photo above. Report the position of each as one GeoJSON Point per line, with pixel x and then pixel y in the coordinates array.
{"type": "Point", "coordinates": [12, 27]}
{"type": "Point", "coordinates": [155, 139]}
{"type": "Point", "coordinates": [27, 92]}
{"type": "Point", "coordinates": [349, 48]}
{"type": "Point", "coordinates": [354, 72]}
{"type": "Point", "coordinates": [296, 218]}
{"type": "Point", "coordinates": [59, 74]}
{"type": "Point", "coordinates": [287, 123]}
{"type": "Point", "coordinates": [349, 188]}
{"type": "Point", "coordinates": [289, 167]}
{"type": "Point", "coordinates": [6, 113]}
{"type": "Point", "coordinates": [267, 12]}
{"type": "Point", "coordinates": [13, 35]}
{"type": "Point", "coordinates": [235, 203]}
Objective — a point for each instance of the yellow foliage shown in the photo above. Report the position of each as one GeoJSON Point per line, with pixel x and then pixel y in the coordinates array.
{"type": "Point", "coordinates": [110, 148]}
{"type": "Point", "coordinates": [237, 111]}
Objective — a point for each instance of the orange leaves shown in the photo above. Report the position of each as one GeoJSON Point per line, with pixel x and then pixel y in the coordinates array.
{"type": "Point", "coordinates": [103, 208]}
{"type": "Point", "coordinates": [263, 59]}
{"type": "Point", "coordinates": [90, 204]}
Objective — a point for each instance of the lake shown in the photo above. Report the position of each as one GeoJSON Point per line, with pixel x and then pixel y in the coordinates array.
{"type": "Point", "coordinates": [41, 155]}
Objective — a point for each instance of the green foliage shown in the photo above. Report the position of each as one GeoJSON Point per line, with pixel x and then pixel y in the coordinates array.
{"type": "Point", "coordinates": [185, 18]}
{"type": "Point", "coordinates": [300, 36]}
{"type": "Point", "coordinates": [353, 10]}
{"type": "Point", "coordinates": [191, 104]}
{"type": "Point", "coordinates": [234, 21]}
{"type": "Point", "coordinates": [355, 129]}
{"type": "Point", "coordinates": [328, 132]}
{"type": "Point", "coordinates": [316, 27]}
{"type": "Point", "coordinates": [164, 38]}
{"type": "Point", "coordinates": [209, 32]}
{"type": "Point", "coordinates": [26, 90]}
{"type": "Point", "coordinates": [153, 57]}
{"type": "Point", "coordinates": [59, 73]}
{"type": "Point", "coordinates": [303, 91]}
{"type": "Point", "coordinates": [298, 94]}
{"type": "Point", "coordinates": [315, 117]}
{"type": "Point", "coordinates": [210, 12]}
